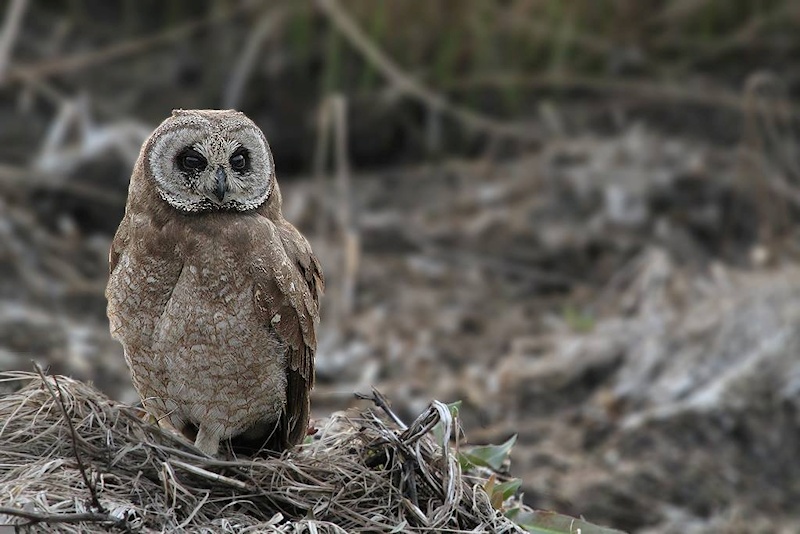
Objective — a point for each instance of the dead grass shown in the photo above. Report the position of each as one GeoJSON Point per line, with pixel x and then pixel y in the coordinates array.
{"type": "Point", "coordinates": [104, 469]}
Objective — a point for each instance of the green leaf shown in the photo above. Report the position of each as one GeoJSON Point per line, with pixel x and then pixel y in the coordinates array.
{"type": "Point", "coordinates": [488, 486]}
{"type": "Point", "coordinates": [580, 321]}
{"type": "Point", "coordinates": [542, 522]}
{"type": "Point", "coordinates": [499, 493]}
{"type": "Point", "coordinates": [464, 462]}
{"type": "Point", "coordinates": [496, 499]}
{"type": "Point", "coordinates": [491, 456]}
{"type": "Point", "coordinates": [509, 488]}
{"type": "Point", "coordinates": [454, 408]}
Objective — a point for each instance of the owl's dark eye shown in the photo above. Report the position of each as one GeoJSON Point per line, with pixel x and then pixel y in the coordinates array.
{"type": "Point", "coordinates": [239, 161]}
{"type": "Point", "coordinates": [191, 160]}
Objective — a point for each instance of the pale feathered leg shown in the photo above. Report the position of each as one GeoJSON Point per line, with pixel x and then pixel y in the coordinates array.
{"type": "Point", "coordinates": [206, 441]}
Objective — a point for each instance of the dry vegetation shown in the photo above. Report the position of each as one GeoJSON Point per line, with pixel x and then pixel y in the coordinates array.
{"type": "Point", "coordinates": [578, 218]}
{"type": "Point", "coordinates": [74, 461]}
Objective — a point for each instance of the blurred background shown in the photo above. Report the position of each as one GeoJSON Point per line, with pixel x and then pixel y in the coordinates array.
{"type": "Point", "coordinates": [579, 218]}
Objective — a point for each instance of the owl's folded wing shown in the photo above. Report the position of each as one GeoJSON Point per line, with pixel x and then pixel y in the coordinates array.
{"type": "Point", "coordinates": [288, 282]}
{"type": "Point", "coordinates": [118, 245]}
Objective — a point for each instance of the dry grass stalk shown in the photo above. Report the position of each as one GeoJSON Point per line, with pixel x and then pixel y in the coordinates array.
{"type": "Point", "coordinates": [359, 474]}
{"type": "Point", "coordinates": [117, 51]}
{"type": "Point", "coordinates": [8, 36]}
{"type": "Point", "coordinates": [407, 85]}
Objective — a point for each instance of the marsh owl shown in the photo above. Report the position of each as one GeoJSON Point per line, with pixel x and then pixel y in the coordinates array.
{"type": "Point", "coordinates": [212, 293]}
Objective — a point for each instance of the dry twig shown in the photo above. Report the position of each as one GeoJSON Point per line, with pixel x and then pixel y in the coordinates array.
{"type": "Point", "coordinates": [711, 96]}
{"type": "Point", "coordinates": [59, 398]}
{"type": "Point", "coordinates": [68, 518]}
{"type": "Point", "coordinates": [383, 403]}
{"type": "Point", "coordinates": [117, 51]}
{"type": "Point", "coordinates": [8, 35]}
{"type": "Point", "coordinates": [408, 86]}
{"type": "Point", "coordinates": [244, 66]}
{"type": "Point", "coordinates": [332, 120]}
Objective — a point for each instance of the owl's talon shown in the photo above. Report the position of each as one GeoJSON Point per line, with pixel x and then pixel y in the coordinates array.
{"type": "Point", "coordinates": [207, 442]}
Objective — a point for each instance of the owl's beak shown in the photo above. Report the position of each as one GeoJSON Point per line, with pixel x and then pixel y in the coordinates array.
{"type": "Point", "coordinates": [221, 185]}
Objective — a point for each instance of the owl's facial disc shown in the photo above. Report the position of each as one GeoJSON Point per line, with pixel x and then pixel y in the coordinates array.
{"type": "Point", "coordinates": [203, 166]}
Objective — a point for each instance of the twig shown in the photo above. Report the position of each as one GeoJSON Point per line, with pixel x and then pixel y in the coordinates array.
{"type": "Point", "coordinates": [383, 403]}
{"type": "Point", "coordinates": [416, 513]}
{"type": "Point", "coordinates": [214, 477]}
{"type": "Point", "coordinates": [545, 29]}
{"type": "Point", "coordinates": [8, 35]}
{"type": "Point", "coordinates": [347, 224]}
{"type": "Point", "coordinates": [408, 481]}
{"type": "Point", "coordinates": [408, 86]}
{"type": "Point", "coordinates": [59, 399]}
{"type": "Point", "coordinates": [331, 478]}
{"type": "Point", "coordinates": [192, 515]}
{"type": "Point", "coordinates": [117, 51]}
{"type": "Point", "coordinates": [742, 38]}
{"type": "Point", "coordinates": [244, 66]}
{"type": "Point", "coordinates": [709, 96]}
{"type": "Point", "coordinates": [499, 265]}
{"type": "Point", "coordinates": [321, 152]}
{"type": "Point", "coordinates": [775, 182]}
{"type": "Point", "coordinates": [60, 155]}
{"type": "Point", "coordinates": [332, 120]}
{"type": "Point", "coordinates": [83, 517]}
{"type": "Point", "coordinates": [765, 91]}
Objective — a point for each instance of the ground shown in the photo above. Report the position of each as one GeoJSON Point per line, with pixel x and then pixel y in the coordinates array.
{"type": "Point", "coordinates": [579, 219]}
{"type": "Point", "coordinates": [612, 301]}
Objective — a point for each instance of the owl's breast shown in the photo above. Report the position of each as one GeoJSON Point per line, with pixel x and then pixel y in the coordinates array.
{"type": "Point", "coordinates": [222, 362]}
{"type": "Point", "coordinates": [138, 290]}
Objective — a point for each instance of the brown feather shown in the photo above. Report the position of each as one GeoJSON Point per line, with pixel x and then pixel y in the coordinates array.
{"type": "Point", "coordinates": [217, 310]}
{"type": "Point", "coordinates": [287, 296]}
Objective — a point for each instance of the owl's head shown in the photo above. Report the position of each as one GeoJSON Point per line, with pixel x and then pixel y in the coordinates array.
{"type": "Point", "coordinates": [210, 160]}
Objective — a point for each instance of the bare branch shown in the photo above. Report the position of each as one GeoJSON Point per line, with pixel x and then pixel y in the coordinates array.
{"type": "Point", "coordinates": [117, 51]}
{"type": "Point", "coordinates": [59, 399]}
{"type": "Point", "coordinates": [85, 517]}
{"type": "Point", "coordinates": [8, 35]}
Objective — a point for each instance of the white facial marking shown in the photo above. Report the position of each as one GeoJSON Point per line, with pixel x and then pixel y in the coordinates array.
{"type": "Point", "coordinates": [216, 141]}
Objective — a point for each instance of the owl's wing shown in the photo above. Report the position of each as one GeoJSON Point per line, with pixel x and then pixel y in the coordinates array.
{"type": "Point", "coordinates": [288, 282]}
{"type": "Point", "coordinates": [118, 244]}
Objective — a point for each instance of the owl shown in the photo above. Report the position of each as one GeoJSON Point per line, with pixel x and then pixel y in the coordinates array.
{"type": "Point", "coordinates": [212, 293]}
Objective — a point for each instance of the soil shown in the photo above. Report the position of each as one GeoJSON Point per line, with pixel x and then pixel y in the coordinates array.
{"type": "Point", "coordinates": [627, 305]}
{"type": "Point", "coordinates": [622, 291]}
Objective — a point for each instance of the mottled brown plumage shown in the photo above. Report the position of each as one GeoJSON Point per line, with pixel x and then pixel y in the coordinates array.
{"type": "Point", "coordinates": [212, 293]}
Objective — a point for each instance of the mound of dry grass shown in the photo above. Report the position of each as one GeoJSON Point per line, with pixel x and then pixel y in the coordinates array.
{"type": "Point", "coordinates": [74, 461]}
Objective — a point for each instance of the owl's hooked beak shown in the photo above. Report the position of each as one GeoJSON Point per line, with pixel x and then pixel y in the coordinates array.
{"type": "Point", "coordinates": [221, 185]}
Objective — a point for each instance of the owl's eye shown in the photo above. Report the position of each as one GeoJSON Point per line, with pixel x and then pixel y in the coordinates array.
{"type": "Point", "coordinates": [191, 160]}
{"type": "Point", "coordinates": [239, 161]}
